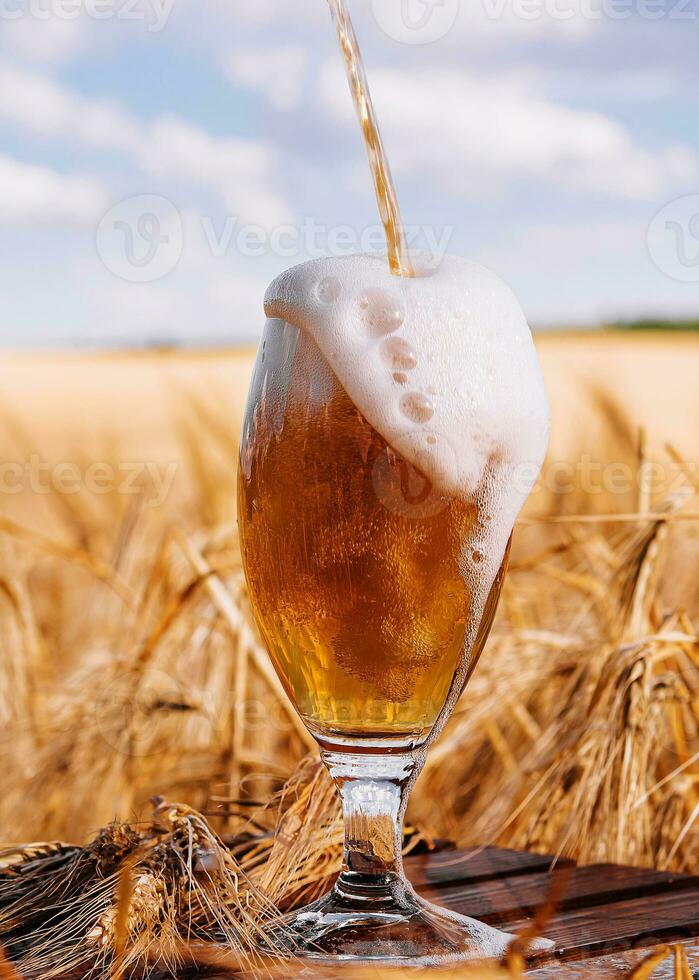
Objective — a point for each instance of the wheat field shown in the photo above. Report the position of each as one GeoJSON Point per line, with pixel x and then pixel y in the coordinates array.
{"type": "Point", "coordinates": [131, 669]}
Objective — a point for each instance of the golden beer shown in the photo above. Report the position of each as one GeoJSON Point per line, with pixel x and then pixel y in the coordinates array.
{"type": "Point", "coordinates": [353, 559]}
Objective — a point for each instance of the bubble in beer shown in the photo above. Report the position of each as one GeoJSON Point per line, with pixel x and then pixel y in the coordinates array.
{"type": "Point", "coordinates": [383, 313]}
{"type": "Point", "coordinates": [328, 289]}
{"type": "Point", "coordinates": [417, 407]}
{"type": "Point", "coordinates": [398, 353]}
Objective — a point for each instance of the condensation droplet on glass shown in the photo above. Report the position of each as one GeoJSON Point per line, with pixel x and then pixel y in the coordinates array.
{"type": "Point", "coordinates": [400, 378]}
{"type": "Point", "coordinates": [431, 390]}
{"type": "Point", "coordinates": [478, 556]}
{"type": "Point", "coordinates": [398, 354]}
{"type": "Point", "coordinates": [417, 407]}
{"type": "Point", "coordinates": [432, 440]}
{"type": "Point", "coordinates": [328, 289]}
{"type": "Point", "coordinates": [383, 313]}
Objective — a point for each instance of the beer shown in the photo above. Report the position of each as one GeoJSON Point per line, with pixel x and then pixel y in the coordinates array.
{"type": "Point", "coordinates": [386, 198]}
{"type": "Point", "coordinates": [354, 560]}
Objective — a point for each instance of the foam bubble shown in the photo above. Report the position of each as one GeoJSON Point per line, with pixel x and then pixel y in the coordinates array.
{"type": "Point", "coordinates": [398, 354]}
{"type": "Point", "coordinates": [382, 311]}
{"type": "Point", "coordinates": [328, 289]}
{"type": "Point", "coordinates": [416, 407]}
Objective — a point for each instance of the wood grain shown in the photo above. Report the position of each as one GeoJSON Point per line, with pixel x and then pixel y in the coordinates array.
{"type": "Point", "coordinates": [602, 909]}
{"type": "Point", "coordinates": [515, 897]}
{"type": "Point", "coordinates": [631, 924]}
{"type": "Point", "coordinates": [476, 865]}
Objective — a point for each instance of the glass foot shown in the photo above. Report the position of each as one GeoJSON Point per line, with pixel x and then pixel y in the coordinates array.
{"type": "Point", "coordinates": [407, 930]}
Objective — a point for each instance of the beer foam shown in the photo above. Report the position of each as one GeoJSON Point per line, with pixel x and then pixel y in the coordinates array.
{"type": "Point", "coordinates": [442, 365]}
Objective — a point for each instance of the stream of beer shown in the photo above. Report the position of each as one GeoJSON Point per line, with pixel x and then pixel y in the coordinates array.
{"type": "Point", "coordinates": [398, 258]}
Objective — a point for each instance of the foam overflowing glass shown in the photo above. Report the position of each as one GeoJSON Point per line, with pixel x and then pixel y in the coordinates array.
{"type": "Point", "coordinates": [393, 429]}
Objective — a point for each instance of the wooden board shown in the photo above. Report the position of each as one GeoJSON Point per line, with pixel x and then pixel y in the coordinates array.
{"type": "Point", "coordinates": [477, 864]}
{"type": "Point", "coordinates": [601, 909]}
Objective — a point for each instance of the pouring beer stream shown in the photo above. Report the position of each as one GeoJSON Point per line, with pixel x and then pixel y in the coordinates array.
{"type": "Point", "coordinates": [386, 198]}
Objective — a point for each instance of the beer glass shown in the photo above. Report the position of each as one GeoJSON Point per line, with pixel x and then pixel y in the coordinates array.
{"type": "Point", "coordinates": [353, 563]}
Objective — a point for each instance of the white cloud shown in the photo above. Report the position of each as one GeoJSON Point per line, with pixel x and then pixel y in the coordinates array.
{"type": "Point", "coordinates": [479, 133]}
{"type": "Point", "coordinates": [238, 299]}
{"type": "Point", "coordinates": [202, 300]}
{"type": "Point", "coordinates": [45, 40]}
{"type": "Point", "coordinates": [587, 270]}
{"type": "Point", "coordinates": [277, 72]}
{"type": "Point", "coordinates": [502, 22]}
{"type": "Point", "coordinates": [241, 171]}
{"type": "Point", "coordinates": [274, 12]}
{"type": "Point", "coordinates": [43, 106]}
{"type": "Point", "coordinates": [38, 195]}
{"type": "Point", "coordinates": [206, 297]}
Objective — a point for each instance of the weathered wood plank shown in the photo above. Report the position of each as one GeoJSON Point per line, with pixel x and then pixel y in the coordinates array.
{"type": "Point", "coordinates": [476, 865]}
{"type": "Point", "coordinates": [515, 897]}
{"type": "Point", "coordinates": [619, 964]}
{"type": "Point", "coordinates": [628, 924]}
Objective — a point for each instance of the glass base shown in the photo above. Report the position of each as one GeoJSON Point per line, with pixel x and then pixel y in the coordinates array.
{"type": "Point", "coordinates": [402, 929]}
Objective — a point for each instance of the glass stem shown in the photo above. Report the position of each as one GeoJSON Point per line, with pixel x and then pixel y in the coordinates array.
{"type": "Point", "coordinates": [374, 791]}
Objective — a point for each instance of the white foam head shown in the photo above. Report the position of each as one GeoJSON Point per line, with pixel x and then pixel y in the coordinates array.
{"type": "Point", "coordinates": [442, 365]}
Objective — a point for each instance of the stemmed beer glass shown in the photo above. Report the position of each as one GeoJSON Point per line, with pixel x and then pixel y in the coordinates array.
{"type": "Point", "coordinates": [353, 560]}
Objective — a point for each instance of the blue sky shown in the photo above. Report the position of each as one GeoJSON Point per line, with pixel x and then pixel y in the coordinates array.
{"type": "Point", "coordinates": [162, 160]}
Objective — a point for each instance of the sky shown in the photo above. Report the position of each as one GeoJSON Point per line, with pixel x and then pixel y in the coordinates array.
{"type": "Point", "coordinates": [161, 161]}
